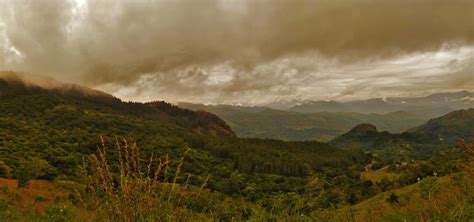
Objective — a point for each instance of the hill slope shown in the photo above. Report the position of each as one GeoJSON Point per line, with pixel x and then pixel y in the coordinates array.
{"type": "Point", "coordinates": [450, 127]}
{"type": "Point", "coordinates": [20, 98]}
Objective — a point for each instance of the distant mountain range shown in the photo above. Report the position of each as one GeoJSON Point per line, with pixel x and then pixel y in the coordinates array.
{"type": "Point", "coordinates": [324, 120]}
{"type": "Point", "coordinates": [261, 122]}
{"type": "Point", "coordinates": [433, 105]}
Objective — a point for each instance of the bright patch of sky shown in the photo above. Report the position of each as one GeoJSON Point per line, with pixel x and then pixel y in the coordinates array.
{"type": "Point", "coordinates": [78, 10]}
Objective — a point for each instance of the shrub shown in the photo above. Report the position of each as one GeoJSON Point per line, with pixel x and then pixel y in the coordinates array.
{"type": "Point", "coordinates": [57, 213]}
{"type": "Point", "coordinates": [33, 168]}
{"type": "Point", "coordinates": [393, 198]}
{"type": "Point", "coordinates": [5, 170]}
{"type": "Point", "coordinates": [427, 186]}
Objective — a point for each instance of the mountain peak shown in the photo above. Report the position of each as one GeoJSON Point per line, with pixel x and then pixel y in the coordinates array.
{"type": "Point", "coordinates": [363, 128]}
{"type": "Point", "coordinates": [363, 133]}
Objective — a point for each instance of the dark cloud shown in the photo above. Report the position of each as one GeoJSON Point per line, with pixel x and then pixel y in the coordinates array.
{"type": "Point", "coordinates": [177, 43]}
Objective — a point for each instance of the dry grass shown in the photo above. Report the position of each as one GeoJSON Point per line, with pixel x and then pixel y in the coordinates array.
{"type": "Point", "coordinates": [379, 175]}
{"type": "Point", "coordinates": [468, 149]}
{"type": "Point", "coordinates": [38, 196]}
{"type": "Point", "coordinates": [448, 198]}
{"type": "Point", "coordinates": [133, 190]}
{"type": "Point", "coordinates": [443, 200]}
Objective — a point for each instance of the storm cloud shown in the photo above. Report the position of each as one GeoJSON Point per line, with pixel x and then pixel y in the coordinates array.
{"type": "Point", "coordinates": [243, 51]}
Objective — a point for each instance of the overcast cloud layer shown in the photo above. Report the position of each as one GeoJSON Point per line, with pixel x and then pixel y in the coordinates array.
{"type": "Point", "coordinates": [244, 51]}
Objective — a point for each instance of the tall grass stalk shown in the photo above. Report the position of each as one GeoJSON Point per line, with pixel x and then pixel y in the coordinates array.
{"type": "Point", "coordinates": [136, 190]}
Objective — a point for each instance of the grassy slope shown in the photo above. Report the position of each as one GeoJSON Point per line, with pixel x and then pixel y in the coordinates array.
{"type": "Point", "coordinates": [378, 175]}
{"type": "Point", "coordinates": [39, 195]}
{"type": "Point", "coordinates": [432, 197]}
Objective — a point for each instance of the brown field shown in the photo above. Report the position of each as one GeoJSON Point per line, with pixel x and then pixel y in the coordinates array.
{"type": "Point", "coordinates": [39, 194]}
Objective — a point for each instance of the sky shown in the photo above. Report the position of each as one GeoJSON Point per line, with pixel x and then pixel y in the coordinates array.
{"type": "Point", "coordinates": [247, 52]}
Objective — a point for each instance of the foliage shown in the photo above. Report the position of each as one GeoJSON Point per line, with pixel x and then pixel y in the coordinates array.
{"type": "Point", "coordinates": [33, 168]}
{"type": "Point", "coordinates": [5, 170]}
{"type": "Point", "coordinates": [57, 213]}
{"type": "Point", "coordinates": [393, 198]}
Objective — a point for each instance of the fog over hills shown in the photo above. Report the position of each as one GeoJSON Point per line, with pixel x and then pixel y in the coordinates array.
{"type": "Point", "coordinates": [432, 105]}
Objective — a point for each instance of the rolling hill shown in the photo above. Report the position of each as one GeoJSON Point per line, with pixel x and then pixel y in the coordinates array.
{"type": "Point", "coordinates": [423, 140]}
{"type": "Point", "coordinates": [366, 136]}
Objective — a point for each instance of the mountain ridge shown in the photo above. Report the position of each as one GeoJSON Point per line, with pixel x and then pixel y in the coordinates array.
{"type": "Point", "coordinates": [450, 127]}
{"type": "Point", "coordinates": [436, 104]}
{"type": "Point", "coordinates": [13, 84]}
{"type": "Point", "coordinates": [263, 122]}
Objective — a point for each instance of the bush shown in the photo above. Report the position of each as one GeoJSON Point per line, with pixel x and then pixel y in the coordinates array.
{"type": "Point", "coordinates": [393, 198]}
{"type": "Point", "coordinates": [57, 213]}
{"type": "Point", "coordinates": [33, 168]}
{"type": "Point", "coordinates": [5, 170]}
{"type": "Point", "coordinates": [377, 166]}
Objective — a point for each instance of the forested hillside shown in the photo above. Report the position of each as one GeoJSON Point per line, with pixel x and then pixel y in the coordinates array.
{"type": "Point", "coordinates": [44, 134]}
{"type": "Point", "coordinates": [450, 127]}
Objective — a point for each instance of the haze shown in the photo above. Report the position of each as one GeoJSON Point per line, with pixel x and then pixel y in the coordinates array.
{"type": "Point", "coordinates": [244, 51]}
